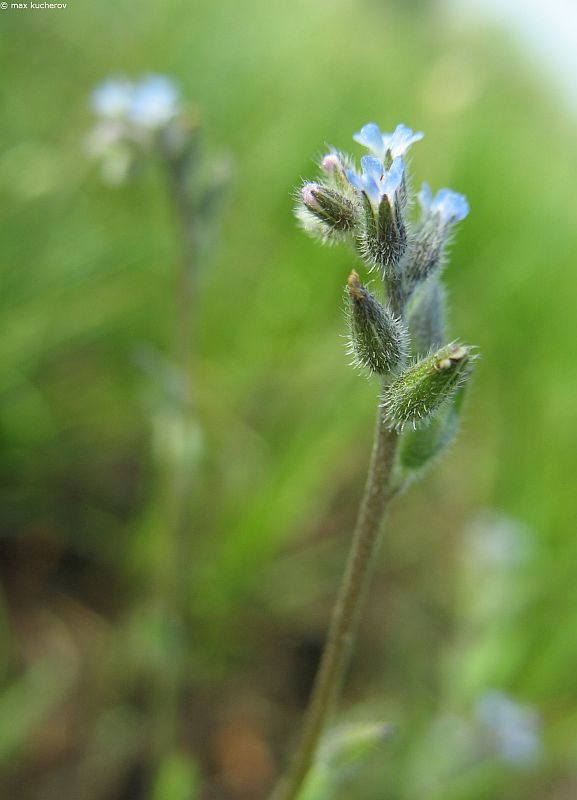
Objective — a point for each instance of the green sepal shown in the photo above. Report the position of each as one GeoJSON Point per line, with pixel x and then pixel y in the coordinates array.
{"type": "Point", "coordinates": [377, 339]}
{"type": "Point", "coordinates": [418, 448]}
{"type": "Point", "coordinates": [426, 317]}
{"type": "Point", "coordinates": [423, 388]}
{"type": "Point", "coordinates": [334, 209]}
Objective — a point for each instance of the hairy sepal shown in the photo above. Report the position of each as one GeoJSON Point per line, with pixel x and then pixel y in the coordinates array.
{"type": "Point", "coordinates": [378, 340]}
{"type": "Point", "coordinates": [422, 389]}
{"type": "Point", "coordinates": [420, 447]}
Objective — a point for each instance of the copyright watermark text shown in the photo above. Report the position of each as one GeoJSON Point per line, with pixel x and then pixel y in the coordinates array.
{"type": "Point", "coordinates": [31, 6]}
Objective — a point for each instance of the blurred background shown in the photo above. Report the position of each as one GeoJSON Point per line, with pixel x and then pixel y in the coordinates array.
{"type": "Point", "coordinates": [138, 660]}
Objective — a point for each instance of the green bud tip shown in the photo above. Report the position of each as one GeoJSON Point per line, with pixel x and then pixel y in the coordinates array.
{"type": "Point", "coordinates": [422, 389]}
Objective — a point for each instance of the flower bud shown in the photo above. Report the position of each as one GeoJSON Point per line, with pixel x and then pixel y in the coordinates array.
{"type": "Point", "coordinates": [330, 163]}
{"type": "Point", "coordinates": [378, 341]}
{"type": "Point", "coordinates": [335, 166]}
{"type": "Point", "coordinates": [329, 206]}
{"type": "Point", "coordinates": [422, 389]}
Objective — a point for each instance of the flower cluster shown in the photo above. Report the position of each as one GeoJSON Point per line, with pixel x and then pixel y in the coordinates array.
{"type": "Point", "coordinates": [369, 208]}
{"type": "Point", "coordinates": [130, 118]}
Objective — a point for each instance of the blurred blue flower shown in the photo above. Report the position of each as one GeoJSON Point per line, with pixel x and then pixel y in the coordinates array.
{"type": "Point", "coordinates": [495, 542]}
{"type": "Point", "coordinates": [155, 102]}
{"type": "Point", "coordinates": [112, 99]}
{"type": "Point", "coordinates": [513, 727]}
{"type": "Point", "coordinates": [376, 181]}
{"type": "Point", "coordinates": [451, 206]}
{"type": "Point", "coordinates": [396, 143]}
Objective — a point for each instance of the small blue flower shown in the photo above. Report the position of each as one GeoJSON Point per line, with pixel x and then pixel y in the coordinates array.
{"type": "Point", "coordinates": [155, 102]}
{"type": "Point", "coordinates": [451, 206]}
{"type": "Point", "coordinates": [513, 727]}
{"type": "Point", "coordinates": [376, 181]}
{"type": "Point", "coordinates": [393, 178]}
{"type": "Point", "coordinates": [113, 98]}
{"type": "Point", "coordinates": [396, 143]}
{"type": "Point", "coordinates": [370, 178]}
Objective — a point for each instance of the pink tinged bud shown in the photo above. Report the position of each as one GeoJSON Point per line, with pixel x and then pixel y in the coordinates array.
{"type": "Point", "coordinates": [330, 163]}
{"type": "Point", "coordinates": [308, 196]}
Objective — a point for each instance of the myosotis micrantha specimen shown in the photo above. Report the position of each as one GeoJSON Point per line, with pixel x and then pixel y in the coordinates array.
{"type": "Point", "coordinates": [136, 122]}
{"type": "Point", "coordinates": [399, 338]}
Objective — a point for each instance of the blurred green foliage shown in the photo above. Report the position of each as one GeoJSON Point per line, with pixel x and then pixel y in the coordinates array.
{"type": "Point", "coordinates": [88, 280]}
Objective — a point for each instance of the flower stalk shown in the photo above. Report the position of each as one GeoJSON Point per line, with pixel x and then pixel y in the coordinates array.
{"type": "Point", "coordinates": [379, 491]}
{"type": "Point", "coordinates": [423, 396]}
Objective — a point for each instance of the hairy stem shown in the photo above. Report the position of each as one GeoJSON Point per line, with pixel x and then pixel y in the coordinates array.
{"type": "Point", "coordinates": [379, 491]}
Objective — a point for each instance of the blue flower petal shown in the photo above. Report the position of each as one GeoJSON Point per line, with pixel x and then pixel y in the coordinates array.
{"type": "Point", "coordinates": [368, 182]}
{"type": "Point", "coordinates": [373, 167]}
{"type": "Point", "coordinates": [112, 98]}
{"type": "Point", "coordinates": [425, 197]}
{"type": "Point", "coordinates": [155, 102]}
{"type": "Point", "coordinates": [370, 137]}
{"type": "Point", "coordinates": [452, 206]}
{"type": "Point", "coordinates": [401, 139]}
{"type": "Point", "coordinates": [354, 179]}
{"type": "Point", "coordinates": [393, 178]}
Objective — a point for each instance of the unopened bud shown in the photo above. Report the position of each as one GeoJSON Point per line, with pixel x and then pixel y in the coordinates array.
{"type": "Point", "coordinates": [378, 341]}
{"type": "Point", "coordinates": [421, 390]}
{"type": "Point", "coordinates": [335, 165]}
{"type": "Point", "coordinates": [330, 163]}
{"type": "Point", "coordinates": [329, 206]}
{"type": "Point", "coordinates": [309, 197]}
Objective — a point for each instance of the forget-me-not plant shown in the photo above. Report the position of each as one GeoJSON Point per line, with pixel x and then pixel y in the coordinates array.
{"type": "Point", "coordinates": [138, 123]}
{"type": "Point", "coordinates": [130, 118]}
{"type": "Point", "coordinates": [146, 119]}
{"type": "Point", "coordinates": [400, 338]}
{"type": "Point", "coordinates": [511, 728]}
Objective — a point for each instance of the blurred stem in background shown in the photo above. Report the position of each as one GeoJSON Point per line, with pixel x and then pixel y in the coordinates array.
{"type": "Point", "coordinates": [139, 121]}
{"type": "Point", "coordinates": [180, 163]}
{"type": "Point", "coordinates": [179, 160]}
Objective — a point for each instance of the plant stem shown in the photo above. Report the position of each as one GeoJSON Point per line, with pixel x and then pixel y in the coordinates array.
{"type": "Point", "coordinates": [379, 491]}
{"type": "Point", "coordinates": [186, 224]}
{"type": "Point", "coordinates": [179, 474]}
{"type": "Point", "coordinates": [180, 478]}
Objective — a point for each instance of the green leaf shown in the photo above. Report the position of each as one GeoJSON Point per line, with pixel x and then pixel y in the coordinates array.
{"type": "Point", "coordinates": [176, 779]}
